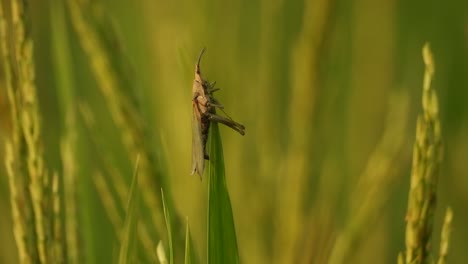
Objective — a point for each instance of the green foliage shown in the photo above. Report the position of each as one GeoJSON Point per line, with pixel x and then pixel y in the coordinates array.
{"type": "Point", "coordinates": [322, 175]}
{"type": "Point", "coordinates": [189, 251]}
{"type": "Point", "coordinates": [65, 81]}
{"type": "Point", "coordinates": [167, 216]}
{"type": "Point", "coordinates": [222, 241]}
{"type": "Point", "coordinates": [127, 246]}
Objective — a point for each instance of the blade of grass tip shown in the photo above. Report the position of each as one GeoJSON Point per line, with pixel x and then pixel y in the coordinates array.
{"type": "Point", "coordinates": [130, 224]}
{"type": "Point", "coordinates": [190, 257]}
{"type": "Point", "coordinates": [188, 250]}
{"type": "Point", "coordinates": [167, 216]}
{"type": "Point", "coordinates": [222, 241]}
{"type": "Point", "coordinates": [161, 253]}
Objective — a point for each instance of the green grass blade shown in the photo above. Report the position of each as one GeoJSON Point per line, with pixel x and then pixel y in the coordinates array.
{"type": "Point", "coordinates": [126, 253]}
{"type": "Point", "coordinates": [190, 257]}
{"type": "Point", "coordinates": [167, 216]}
{"type": "Point", "coordinates": [222, 241]}
{"type": "Point", "coordinates": [188, 250]}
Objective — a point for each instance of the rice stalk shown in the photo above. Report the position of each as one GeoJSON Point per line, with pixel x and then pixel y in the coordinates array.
{"type": "Point", "coordinates": [302, 106]}
{"type": "Point", "coordinates": [29, 118]}
{"type": "Point", "coordinates": [372, 189]}
{"type": "Point", "coordinates": [109, 203]}
{"type": "Point", "coordinates": [93, 30]}
{"type": "Point", "coordinates": [29, 180]}
{"type": "Point", "coordinates": [116, 184]}
{"type": "Point", "coordinates": [58, 235]}
{"type": "Point", "coordinates": [146, 241]}
{"type": "Point", "coordinates": [427, 156]}
{"type": "Point", "coordinates": [21, 208]}
{"type": "Point", "coordinates": [68, 148]}
{"type": "Point", "coordinates": [17, 175]}
{"type": "Point", "coordinates": [401, 258]}
{"type": "Point", "coordinates": [68, 154]}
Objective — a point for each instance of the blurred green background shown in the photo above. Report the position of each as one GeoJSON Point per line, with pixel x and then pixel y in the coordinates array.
{"type": "Point", "coordinates": [328, 92]}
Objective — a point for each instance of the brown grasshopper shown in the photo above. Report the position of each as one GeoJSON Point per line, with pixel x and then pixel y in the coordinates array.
{"type": "Point", "coordinates": [204, 112]}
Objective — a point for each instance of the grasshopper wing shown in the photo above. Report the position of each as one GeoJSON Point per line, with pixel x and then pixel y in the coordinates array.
{"type": "Point", "coordinates": [198, 160]}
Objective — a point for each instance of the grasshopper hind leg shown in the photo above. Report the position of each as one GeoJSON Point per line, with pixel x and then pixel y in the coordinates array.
{"type": "Point", "coordinates": [227, 122]}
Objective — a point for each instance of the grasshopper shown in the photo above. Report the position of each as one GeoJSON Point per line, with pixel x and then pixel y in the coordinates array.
{"type": "Point", "coordinates": [204, 112]}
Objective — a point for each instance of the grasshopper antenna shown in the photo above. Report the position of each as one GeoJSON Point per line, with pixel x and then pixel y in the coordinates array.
{"type": "Point", "coordinates": [198, 61]}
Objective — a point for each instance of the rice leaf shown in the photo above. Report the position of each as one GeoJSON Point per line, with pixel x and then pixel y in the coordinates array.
{"type": "Point", "coordinates": [167, 216]}
{"type": "Point", "coordinates": [126, 253]}
{"type": "Point", "coordinates": [189, 251]}
{"type": "Point", "coordinates": [222, 241]}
